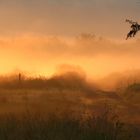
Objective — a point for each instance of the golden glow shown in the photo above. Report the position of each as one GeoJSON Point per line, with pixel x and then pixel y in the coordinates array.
{"type": "Point", "coordinates": [42, 55]}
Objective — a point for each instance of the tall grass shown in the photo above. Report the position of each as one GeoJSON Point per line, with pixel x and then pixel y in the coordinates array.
{"type": "Point", "coordinates": [55, 109]}
{"type": "Point", "coordinates": [37, 127]}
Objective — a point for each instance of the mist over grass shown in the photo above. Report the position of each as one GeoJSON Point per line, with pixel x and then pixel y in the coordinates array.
{"type": "Point", "coordinates": [67, 106]}
{"type": "Point", "coordinates": [42, 54]}
{"type": "Point", "coordinates": [63, 80]}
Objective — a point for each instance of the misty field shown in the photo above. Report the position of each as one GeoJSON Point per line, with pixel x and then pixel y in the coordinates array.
{"type": "Point", "coordinates": [67, 107]}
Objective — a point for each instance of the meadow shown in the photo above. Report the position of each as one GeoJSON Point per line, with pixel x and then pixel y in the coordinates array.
{"type": "Point", "coordinates": [67, 107]}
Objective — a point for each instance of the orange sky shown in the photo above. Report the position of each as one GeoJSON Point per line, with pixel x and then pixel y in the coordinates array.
{"type": "Point", "coordinates": [40, 36]}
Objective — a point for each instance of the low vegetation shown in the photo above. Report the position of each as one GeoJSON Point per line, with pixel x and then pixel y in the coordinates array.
{"type": "Point", "coordinates": [66, 107]}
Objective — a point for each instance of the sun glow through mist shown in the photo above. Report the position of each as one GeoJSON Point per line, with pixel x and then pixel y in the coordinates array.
{"type": "Point", "coordinates": [42, 55]}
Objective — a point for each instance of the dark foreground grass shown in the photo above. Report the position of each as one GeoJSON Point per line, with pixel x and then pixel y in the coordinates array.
{"type": "Point", "coordinates": [63, 128]}
{"type": "Point", "coordinates": [69, 95]}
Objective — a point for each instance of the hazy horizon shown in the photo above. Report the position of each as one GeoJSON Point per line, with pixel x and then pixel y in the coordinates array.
{"type": "Point", "coordinates": [41, 36]}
